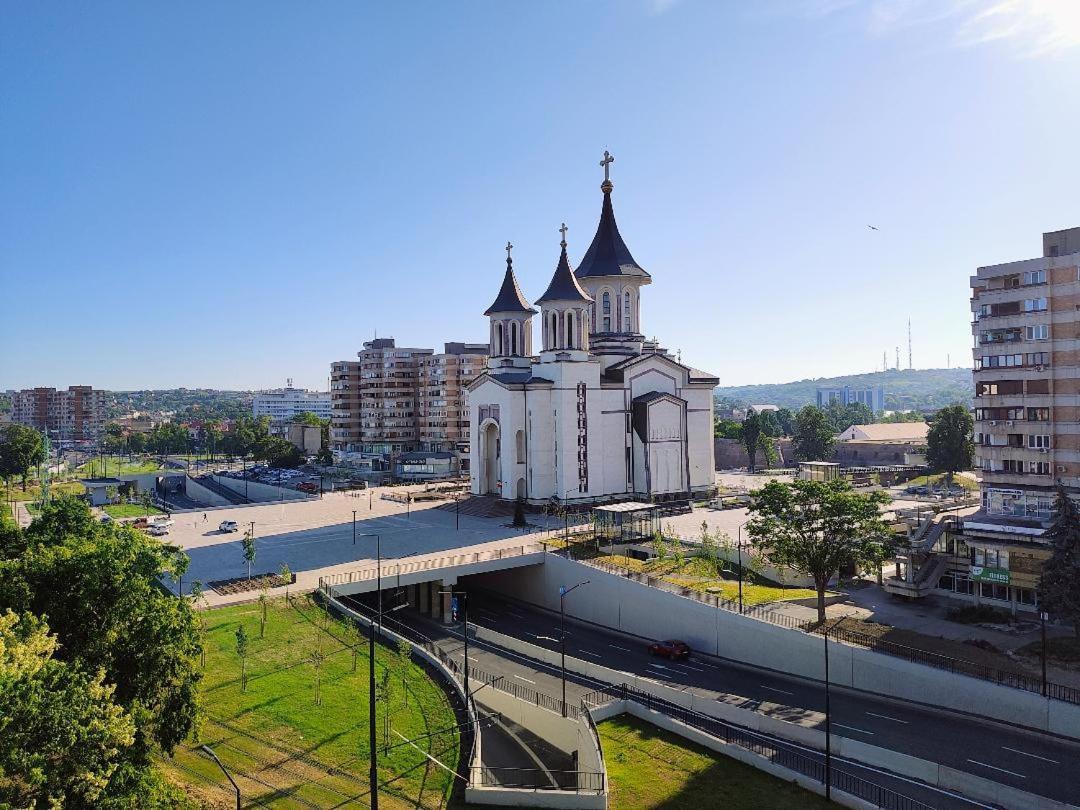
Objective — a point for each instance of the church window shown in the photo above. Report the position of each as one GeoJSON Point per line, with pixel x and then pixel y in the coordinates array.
{"type": "Point", "coordinates": [498, 338]}
{"type": "Point", "coordinates": [569, 330]}
{"type": "Point", "coordinates": [607, 303]}
{"type": "Point", "coordinates": [520, 446]}
{"type": "Point", "coordinates": [607, 323]}
{"type": "Point", "coordinates": [513, 338]}
{"type": "Point", "coordinates": [626, 312]}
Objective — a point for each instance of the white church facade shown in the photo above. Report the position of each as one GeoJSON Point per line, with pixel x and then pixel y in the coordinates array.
{"type": "Point", "coordinates": [600, 413]}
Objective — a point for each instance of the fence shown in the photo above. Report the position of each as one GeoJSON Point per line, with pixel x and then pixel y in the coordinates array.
{"type": "Point", "coordinates": [400, 568]}
{"type": "Point", "coordinates": [812, 766]}
{"type": "Point", "coordinates": [535, 779]}
{"type": "Point", "coordinates": [958, 666]}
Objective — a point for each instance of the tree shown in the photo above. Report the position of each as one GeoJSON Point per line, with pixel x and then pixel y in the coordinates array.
{"type": "Point", "coordinates": [1059, 586]}
{"type": "Point", "coordinates": [519, 513]}
{"type": "Point", "coordinates": [100, 587]}
{"type": "Point", "coordinates": [728, 429]}
{"type": "Point", "coordinates": [21, 449]}
{"type": "Point", "coordinates": [62, 736]}
{"type": "Point", "coordinates": [770, 424]}
{"type": "Point", "coordinates": [242, 653]}
{"type": "Point", "coordinates": [786, 420]}
{"type": "Point", "coordinates": [286, 575]}
{"type": "Point", "coordinates": [817, 527]}
{"type": "Point", "coordinates": [307, 418]}
{"type": "Point", "coordinates": [248, 544]}
{"type": "Point", "coordinates": [767, 445]}
{"type": "Point", "coordinates": [949, 444]}
{"type": "Point", "coordinates": [841, 417]}
{"type": "Point", "coordinates": [813, 437]}
{"type": "Point", "coordinates": [751, 432]}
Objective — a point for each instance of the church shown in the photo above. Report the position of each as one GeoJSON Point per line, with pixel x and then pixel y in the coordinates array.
{"type": "Point", "coordinates": [600, 413]}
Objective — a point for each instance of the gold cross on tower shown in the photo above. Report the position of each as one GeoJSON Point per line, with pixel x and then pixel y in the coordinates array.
{"type": "Point", "coordinates": [607, 161]}
{"type": "Point", "coordinates": [563, 231]}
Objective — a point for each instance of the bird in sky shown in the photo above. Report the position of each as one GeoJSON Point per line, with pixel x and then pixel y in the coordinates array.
{"type": "Point", "coordinates": [871, 227]}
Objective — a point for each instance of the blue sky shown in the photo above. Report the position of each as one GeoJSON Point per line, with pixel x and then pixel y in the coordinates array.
{"type": "Point", "coordinates": [229, 194]}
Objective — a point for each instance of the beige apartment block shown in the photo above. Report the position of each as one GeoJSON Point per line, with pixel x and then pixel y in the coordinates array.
{"type": "Point", "coordinates": [77, 414]}
{"type": "Point", "coordinates": [1026, 327]}
{"type": "Point", "coordinates": [444, 405]}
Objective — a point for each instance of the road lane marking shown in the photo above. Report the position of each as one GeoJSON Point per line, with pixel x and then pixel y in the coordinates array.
{"type": "Point", "coordinates": [886, 717]}
{"type": "Point", "coordinates": [996, 768]}
{"type": "Point", "coordinates": [781, 691]}
{"type": "Point", "coordinates": [852, 728]}
{"type": "Point", "coordinates": [515, 615]}
{"type": "Point", "coordinates": [1033, 756]}
{"type": "Point", "coordinates": [525, 679]}
{"type": "Point", "coordinates": [590, 654]}
{"type": "Point", "coordinates": [617, 647]}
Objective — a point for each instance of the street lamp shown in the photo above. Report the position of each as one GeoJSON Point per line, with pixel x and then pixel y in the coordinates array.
{"type": "Point", "coordinates": [828, 717]}
{"type": "Point", "coordinates": [462, 598]}
{"type": "Point", "coordinates": [563, 591]}
{"type": "Point", "coordinates": [354, 527]}
{"type": "Point", "coordinates": [739, 543]}
{"type": "Point", "coordinates": [213, 756]}
{"type": "Point", "coordinates": [373, 773]}
{"type": "Point", "coordinates": [1042, 625]}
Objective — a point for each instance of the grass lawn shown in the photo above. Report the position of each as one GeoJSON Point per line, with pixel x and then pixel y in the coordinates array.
{"type": "Point", "coordinates": [285, 749]}
{"type": "Point", "coordinates": [129, 510]}
{"type": "Point", "coordinates": [117, 465]}
{"type": "Point", "coordinates": [936, 479]}
{"type": "Point", "coordinates": [33, 491]}
{"type": "Point", "coordinates": [697, 573]}
{"type": "Point", "coordinates": [651, 768]}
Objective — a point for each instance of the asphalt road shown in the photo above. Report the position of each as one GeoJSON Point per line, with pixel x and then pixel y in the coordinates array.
{"type": "Point", "coordinates": [1035, 763]}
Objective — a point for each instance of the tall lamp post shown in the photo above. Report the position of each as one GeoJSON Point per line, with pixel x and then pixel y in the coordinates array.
{"type": "Point", "coordinates": [354, 527]}
{"type": "Point", "coordinates": [739, 543]}
{"type": "Point", "coordinates": [373, 772]}
{"type": "Point", "coordinates": [563, 591]}
{"type": "Point", "coordinates": [828, 719]}
{"type": "Point", "coordinates": [461, 598]}
{"type": "Point", "coordinates": [210, 752]}
{"type": "Point", "coordinates": [1042, 625]}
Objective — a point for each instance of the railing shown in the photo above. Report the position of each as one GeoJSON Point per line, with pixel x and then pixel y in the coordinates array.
{"type": "Point", "coordinates": [414, 566]}
{"type": "Point", "coordinates": [523, 693]}
{"type": "Point", "coordinates": [536, 779]}
{"type": "Point", "coordinates": [769, 748]}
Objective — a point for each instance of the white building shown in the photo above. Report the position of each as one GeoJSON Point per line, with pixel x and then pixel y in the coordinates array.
{"type": "Point", "coordinates": [282, 404]}
{"type": "Point", "coordinates": [601, 412]}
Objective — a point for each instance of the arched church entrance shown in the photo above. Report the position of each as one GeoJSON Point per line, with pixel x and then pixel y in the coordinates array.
{"type": "Point", "coordinates": [489, 450]}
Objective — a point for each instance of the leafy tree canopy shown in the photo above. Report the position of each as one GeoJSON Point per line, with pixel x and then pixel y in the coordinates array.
{"type": "Point", "coordinates": [813, 438]}
{"type": "Point", "coordinates": [949, 444]}
{"type": "Point", "coordinates": [1059, 586]}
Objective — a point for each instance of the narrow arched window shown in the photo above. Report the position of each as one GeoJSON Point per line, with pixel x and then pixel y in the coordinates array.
{"type": "Point", "coordinates": [553, 331]}
{"type": "Point", "coordinates": [570, 330]}
{"type": "Point", "coordinates": [513, 338]}
{"type": "Point", "coordinates": [498, 339]}
{"type": "Point", "coordinates": [626, 312]}
{"type": "Point", "coordinates": [607, 303]}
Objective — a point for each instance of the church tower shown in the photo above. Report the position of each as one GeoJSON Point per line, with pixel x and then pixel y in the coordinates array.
{"type": "Point", "coordinates": [564, 313]}
{"type": "Point", "coordinates": [511, 323]}
{"type": "Point", "coordinates": [613, 279]}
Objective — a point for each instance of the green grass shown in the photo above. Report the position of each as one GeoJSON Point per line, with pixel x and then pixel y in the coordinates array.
{"type": "Point", "coordinates": [117, 465]}
{"type": "Point", "coordinates": [698, 574]}
{"type": "Point", "coordinates": [283, 748]}
{"type": "Point", "coordinates": [33, 491]}
{"type": "Point", "coordinates": [938, 479]}
{"type": "Point", "coordinates": [129, 510]}
{"type": "Point", "coordinates": [651, 768]}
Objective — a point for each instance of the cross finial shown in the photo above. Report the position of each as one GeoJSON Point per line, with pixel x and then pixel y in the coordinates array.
{"type": "Point", "coordinates": [606, 162]}
{"type": "Point", "coordinates": [563, 231]}
{"type": "Point", "coordinates": [508, 248]}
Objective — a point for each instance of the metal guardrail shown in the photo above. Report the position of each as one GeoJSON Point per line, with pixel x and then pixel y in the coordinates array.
{"type": "Point", "coordinates": [762, 746]}
{"type": "Point", "coordinates": [536, 779]}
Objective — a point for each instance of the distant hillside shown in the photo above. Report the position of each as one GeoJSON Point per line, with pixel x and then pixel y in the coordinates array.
{"type": "Point", "coordinates": [920, 389]}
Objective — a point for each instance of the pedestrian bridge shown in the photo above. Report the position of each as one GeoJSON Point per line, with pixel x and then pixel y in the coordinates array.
{"type": "Point", "coordinates": [416, 570]}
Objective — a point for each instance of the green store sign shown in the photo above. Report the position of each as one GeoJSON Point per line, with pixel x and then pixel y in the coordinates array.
{"type": "Point", "coordinates": [981, 573]}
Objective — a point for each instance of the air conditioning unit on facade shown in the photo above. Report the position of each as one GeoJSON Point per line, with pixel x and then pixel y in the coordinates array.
{"type": "Point", "coordinates": [1040, 367]}
{"type": "Point", "coordinates": [993, 423]}
{"type": "Point", "coordinates": [1010, 423]}
{"type": "Point", "coordinates": [1061, 468]}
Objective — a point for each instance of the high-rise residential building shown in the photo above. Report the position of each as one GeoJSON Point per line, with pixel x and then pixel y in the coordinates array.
{"type": "Point", "coordinates": [77, 414]}
{"type": "Point", "coordinates": [873, 397]}
{"type": "Point", "coordinates": [282, 404]}
{"type": "Point", "coordinates": [395, 400]}
{"type": "Point", "coordinates": [444, 405]}
{"type": "Point", "coordinates": [1027, 421]}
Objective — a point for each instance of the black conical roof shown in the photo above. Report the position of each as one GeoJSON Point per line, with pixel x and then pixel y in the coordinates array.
{"type": "Point", "coordinates": [608, 254]}
{"type": "Point", "coordinates": [509, 298]}
{"type": "Point", "coordinates": [564, 286]}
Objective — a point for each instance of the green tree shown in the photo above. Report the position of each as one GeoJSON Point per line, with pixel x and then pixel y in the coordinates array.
{"type": "Point", "coordinates": [767, 445]}
{"type": "Point", "coordinates": [786, 419]}
{"type": "Point", "coordinates": [813, 437]}
{"type": "Point", "coordinates": [751, 432]}
{"type": "Point", "coordinates": [21, 450]}
{"type": "Point", "coordinates": [307, 418]}
{"type": "Point", "coordinates": [248, 545]}
{"type": "Point", "coordinates": [727, 429]}
{"type": "Point", "coordinates": [286, 575]}
{"type": "Point", "coordinates": [62, 736]}
{"type": "Point", "coordinates": [100, 587]}
{"type": "Point", "coordinates": [242, 653]}
{"type": "Point", "coordinates": [816, 527]}
{"type": "Point", "coordinates": [949, 444]}
{"type": "Point", "coordinates": [1059, 585]}
{"type": "Point", "coordinates": [770, 424]}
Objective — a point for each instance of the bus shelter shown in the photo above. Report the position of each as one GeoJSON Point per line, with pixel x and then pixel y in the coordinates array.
{"type": "Point", "coordinates": [630, 522]}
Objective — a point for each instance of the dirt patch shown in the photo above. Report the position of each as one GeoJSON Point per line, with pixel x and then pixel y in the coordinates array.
{"type": "Point", "coordinates": [256, 583]}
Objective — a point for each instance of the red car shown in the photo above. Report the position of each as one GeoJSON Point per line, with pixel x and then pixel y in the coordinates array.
{"type": "Point", "coordinates": [675, 650]}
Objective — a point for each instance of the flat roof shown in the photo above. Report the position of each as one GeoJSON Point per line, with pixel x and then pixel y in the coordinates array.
{"type": "Point", "coordinates": [628, 506]}
{"type": "Point", "coordinates": [102, 482]}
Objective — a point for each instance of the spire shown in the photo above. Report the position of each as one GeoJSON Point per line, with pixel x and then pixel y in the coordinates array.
{"type": "Point", "coordinates": [564, 286]}
{"type": "Point", "coordinates": [608, 254]}
{"type": "Point", "coordinates": [509, 298]}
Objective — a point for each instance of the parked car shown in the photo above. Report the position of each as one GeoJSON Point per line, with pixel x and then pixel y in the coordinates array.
{"type": "Point", "coordinates": [228, 526]}
{"type": "Point", "coordinates": [308, 486]}
{"type": "Point", "coordinates": [675, 650]}
{"type": "Point", "coordinates": [157, 530]}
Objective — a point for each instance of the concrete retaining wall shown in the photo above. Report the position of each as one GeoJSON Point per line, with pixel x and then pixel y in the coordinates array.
{"type": "Point", "coordinates": [637, 609]}
{"type": "Point", "coordinates": [262, 493]}
{"type": "Point", "coordinates": [198, 492]}
{"type": "Point", "coordinates": [553, 728]}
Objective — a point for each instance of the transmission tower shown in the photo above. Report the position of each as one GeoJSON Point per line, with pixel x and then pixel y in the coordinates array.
{"type": "Point", "coordinates": [909, 365]}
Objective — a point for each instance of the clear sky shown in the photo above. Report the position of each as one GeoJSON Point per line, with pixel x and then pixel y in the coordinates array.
{"type": "Point", "coordinates": [229, 194]}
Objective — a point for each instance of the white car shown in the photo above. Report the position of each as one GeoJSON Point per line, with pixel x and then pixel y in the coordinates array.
{"type": "Point", "coordinates": [157, 530]}
{"type": "Point", "coordinates": [228, 526]}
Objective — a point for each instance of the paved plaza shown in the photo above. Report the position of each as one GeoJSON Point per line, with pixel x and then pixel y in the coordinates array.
{"type": "Point", "coordinates": [315, 538]}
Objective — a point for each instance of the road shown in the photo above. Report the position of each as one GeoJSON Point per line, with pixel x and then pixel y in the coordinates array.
{"type": "Point", "coordinates": [1035, 763]}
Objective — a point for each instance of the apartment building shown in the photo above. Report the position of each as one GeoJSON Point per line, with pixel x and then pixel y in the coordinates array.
{"type": "Point", "coordinates": [444, 405]}
{"type": "Point", "coordinates": [282, 404]}
{"type": "Point", "coordinates": [77, 414]}
{"type": "Point", "coordinates": [394, 400]}
{"type": "Point", "coordinates": [873, 397]}
{"type": "Point", "coordinates": [1027, 419]}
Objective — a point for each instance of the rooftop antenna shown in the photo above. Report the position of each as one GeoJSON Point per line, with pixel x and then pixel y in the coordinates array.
{"type": "Point", "coordinates": [897, 358]}
{"type": "Point", "coordinates": [885, 361]}
{"type": "Point", "coordinates": [909, 365]}
{"type": "Point", "coordinates": [288, 382]}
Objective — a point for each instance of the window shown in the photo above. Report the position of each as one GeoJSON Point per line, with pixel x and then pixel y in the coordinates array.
{"type": "Point", "coordinates": [1039, 467]}
{"type": "Point", "coordinates": [1010, 282]}
{"type": "Point", "coordinates": [607, 323]}
{"type": "Point", "coordinates": [1038, 414]}
{"type": "Point", "coordinates": [606, 302]}
{"type": "Point", "coordinates": [1035, 277]}
{"type": "Point", "coordinates": [626, 312]}
{"type": "Point", "coordinates": [1039, 442]}
{"type": "Point", "coordinates": [1038, 386]}
{"type": "Point", "coordinates": [1038, 332]}
{"type": "Point", "coordinates": [1037, 359]}
{"type": "Point", "coordinates": [1012, 465]}
{"type": "Point", "coordinates": [1035, 305]}
{"type": "Point", "coordinates": [569, 330]}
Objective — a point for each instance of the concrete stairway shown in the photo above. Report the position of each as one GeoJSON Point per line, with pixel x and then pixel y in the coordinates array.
{"type": "Point", "coordinates": [485, 506]}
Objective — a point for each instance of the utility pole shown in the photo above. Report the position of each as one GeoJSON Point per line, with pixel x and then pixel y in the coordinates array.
{"type": "Point", "coordinates": [897, 358]}
{"type": "Point", "coordinates": [909, 364]}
